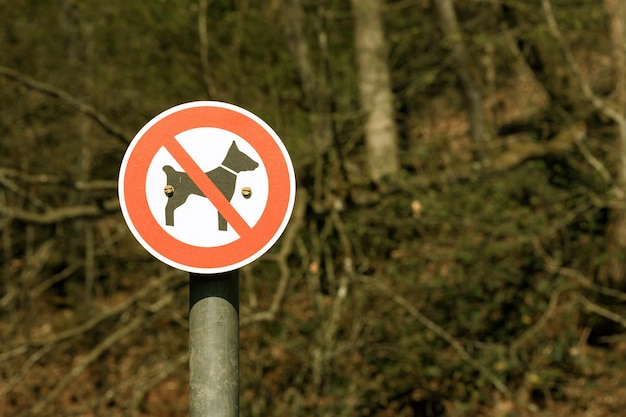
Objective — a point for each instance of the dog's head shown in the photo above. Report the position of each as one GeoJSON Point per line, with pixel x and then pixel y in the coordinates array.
{"type": "Point", "coordinates": [238, 161]}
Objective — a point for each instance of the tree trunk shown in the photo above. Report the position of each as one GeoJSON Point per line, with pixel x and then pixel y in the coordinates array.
{"type": "Point", "coordinates": [381, 135]}
{"type": "Point", "coordinates": [470, 87]}
{"type": "Point", "coordinates": [80, 48]}
{"type": "Point", "coordinates": [616, 268]}
{"type": "Point", "coordinates": [316, 95]}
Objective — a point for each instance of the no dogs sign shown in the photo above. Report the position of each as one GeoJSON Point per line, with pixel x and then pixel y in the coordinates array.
{"type": "Point", "coordinates": [206, 187]}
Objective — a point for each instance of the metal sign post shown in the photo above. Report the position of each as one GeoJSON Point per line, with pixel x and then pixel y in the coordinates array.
{"type": "Point", "coordinates": [208, 187]}
{"type": "Point", "coordinates": [214, 345]}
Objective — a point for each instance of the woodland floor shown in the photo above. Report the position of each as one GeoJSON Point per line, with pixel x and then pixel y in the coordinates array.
{"type": "Point", "coordinates": [601, 393]}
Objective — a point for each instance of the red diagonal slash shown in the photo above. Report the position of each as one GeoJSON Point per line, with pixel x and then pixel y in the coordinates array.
{"type": "Point", "coordinates": [207, 187]}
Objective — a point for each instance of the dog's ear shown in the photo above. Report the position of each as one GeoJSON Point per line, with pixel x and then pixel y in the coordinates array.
{"type": "Point", "coordinates": [233, 150]}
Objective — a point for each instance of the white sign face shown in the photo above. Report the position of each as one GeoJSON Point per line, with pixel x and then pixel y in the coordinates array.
{"type": "Point", "coordinates": [206, 187]}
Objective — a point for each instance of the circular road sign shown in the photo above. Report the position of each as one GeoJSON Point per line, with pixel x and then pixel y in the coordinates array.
{"type": "Point", "coordinates": [206, 187]}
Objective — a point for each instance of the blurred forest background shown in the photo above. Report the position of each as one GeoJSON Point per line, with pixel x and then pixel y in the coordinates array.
{"type": "Point", "coordinates": [458, 242]}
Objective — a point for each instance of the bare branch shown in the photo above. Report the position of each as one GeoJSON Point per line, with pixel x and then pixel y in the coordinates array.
{"type": "Point", "coordinates": [593, 161]}
{"type": "Point", "coordinates": [441, 332]}
{"type": "Point", "coordinates": [554, 266]}
{"type": "Point", "coordinates": [55, 92]}
{"type": "Point", "coordinates": [62, 214]}
{"type": "Point", "coordinates": [543, 320]}
{"type": "Point", "coordinates": [48, 179]}
{"type": "Point", "coordinates": [162, 282]}
{"type": "Point", "coordinates": [518, 153]}
{"type": "Point", "coordinates": [110, 341]}
{"type": "Point", "coordinates": [596, 101]}
{"type": "Point", "coordinates": [153, 379]}
{"type": "Point", "coordinates": [281, 259]}
{"type": "Point", "coordinates": [84, 362]}
{"type": "Point", "coordinates": [601, 311]}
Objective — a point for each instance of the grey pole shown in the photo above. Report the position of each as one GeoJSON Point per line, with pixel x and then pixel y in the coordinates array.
{"type": "Point", "coordinates": [214, 345]}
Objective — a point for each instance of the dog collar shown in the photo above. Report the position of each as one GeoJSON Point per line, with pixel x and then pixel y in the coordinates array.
{"type": "Point", "coordinates": [229, 170]}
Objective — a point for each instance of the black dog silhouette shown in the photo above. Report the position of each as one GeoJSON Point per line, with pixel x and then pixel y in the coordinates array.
{"type": "Point", "coordinates": [224, 178]}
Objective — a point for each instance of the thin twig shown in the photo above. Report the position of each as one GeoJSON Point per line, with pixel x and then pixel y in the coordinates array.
{"type": "Point", "coordinates": [84, 362]}
{"type": "Point", "coordinates": [112, 312]}
{"type": "Point", "coordinates": [593, 161]}
{"type": "Point", "coordinates": [147, 382]}
{"type": "Point", "coordinates": [102, 347]}
{"type": "Point", "coordinates": [439, 331]}
{"type": "Point", "coordinates": [543, 320]}
{"type": "Point", "coordinates": [601, 311]}
{"type": "Point", "coordinates": [554, 266]}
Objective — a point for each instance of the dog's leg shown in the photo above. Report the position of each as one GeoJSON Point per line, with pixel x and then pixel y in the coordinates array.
{"type": "Point", "coordinates": [224, 180]}
{"type": "Point", "coordinates": [173, 203]}
{"type": "Point", "coordinates": [222, 224]}
{"type": "Point", "coordinates": [169, 213]}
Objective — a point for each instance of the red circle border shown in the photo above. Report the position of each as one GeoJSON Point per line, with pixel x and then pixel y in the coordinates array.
{"type": "Point", "coordinates": [281, 187]}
